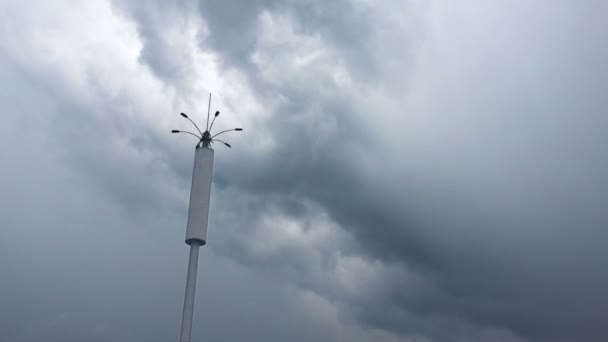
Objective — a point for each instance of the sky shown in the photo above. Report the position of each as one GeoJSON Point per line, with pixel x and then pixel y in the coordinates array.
{"type": "Point", "coordinates": [420, 170]}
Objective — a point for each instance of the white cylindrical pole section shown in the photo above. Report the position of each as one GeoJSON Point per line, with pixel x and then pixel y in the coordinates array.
{"type": "Point", "coordinates": [200, 196]}
{"type": "Point", "coordinates": [185, 332]}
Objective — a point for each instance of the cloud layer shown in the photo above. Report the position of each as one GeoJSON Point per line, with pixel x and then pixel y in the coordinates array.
{"type": "Point", "coordinates": [409, 171]}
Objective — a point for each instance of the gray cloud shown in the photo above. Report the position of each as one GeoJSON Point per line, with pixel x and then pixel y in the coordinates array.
{"type": "Point", "coordinates": [417, 171]}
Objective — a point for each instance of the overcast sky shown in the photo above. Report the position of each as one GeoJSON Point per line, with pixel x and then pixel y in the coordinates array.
{"type": "Point", "coordinates": [419, 171]}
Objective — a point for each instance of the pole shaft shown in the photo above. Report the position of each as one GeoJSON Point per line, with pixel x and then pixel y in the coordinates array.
{"type": "Point", "coordinates": [186, 327]}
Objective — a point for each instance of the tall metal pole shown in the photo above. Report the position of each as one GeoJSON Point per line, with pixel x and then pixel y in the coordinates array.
{"type": "Point", "coordinates": [198, 214]}
{"type": "Point", "coordinates": [196, 230]}
{"type": "Point", "coordinates": [186, 327]}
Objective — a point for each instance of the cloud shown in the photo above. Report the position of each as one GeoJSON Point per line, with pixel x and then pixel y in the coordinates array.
{"type": "Point", "coordinates": [408, 171]}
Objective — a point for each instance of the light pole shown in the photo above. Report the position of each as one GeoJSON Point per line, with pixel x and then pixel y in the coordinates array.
{"type": "Point", "coordinates": [198, 213]}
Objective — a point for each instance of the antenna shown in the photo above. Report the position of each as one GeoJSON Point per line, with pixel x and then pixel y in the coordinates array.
{"type": "Point", "coordinates": [228, 130]}
{"type": "Point", "coordinates": [216, 115]}
{"type": "Point", "coordinates": [209, 110]}
{"type": "Point", "coordinates": [186, 116]}
{"type": "Point", "coordinates": [178, 131]}
{"type": "Point", "coordinates": [223, 142]}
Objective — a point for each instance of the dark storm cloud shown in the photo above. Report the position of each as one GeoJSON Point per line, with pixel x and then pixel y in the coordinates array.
{"type": "Point", "coordinates": [494, 220]}
{"type": "Point", "coordinates": [344, 24]}
{"type": "Point", "coordinates": [93, 196]}
{"type": "Point", "coordinates": [78, 264]}
{"type": "Point", "coordinates": [461, 163]}
{"type": "Point", "coordinates": [153, 22]}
